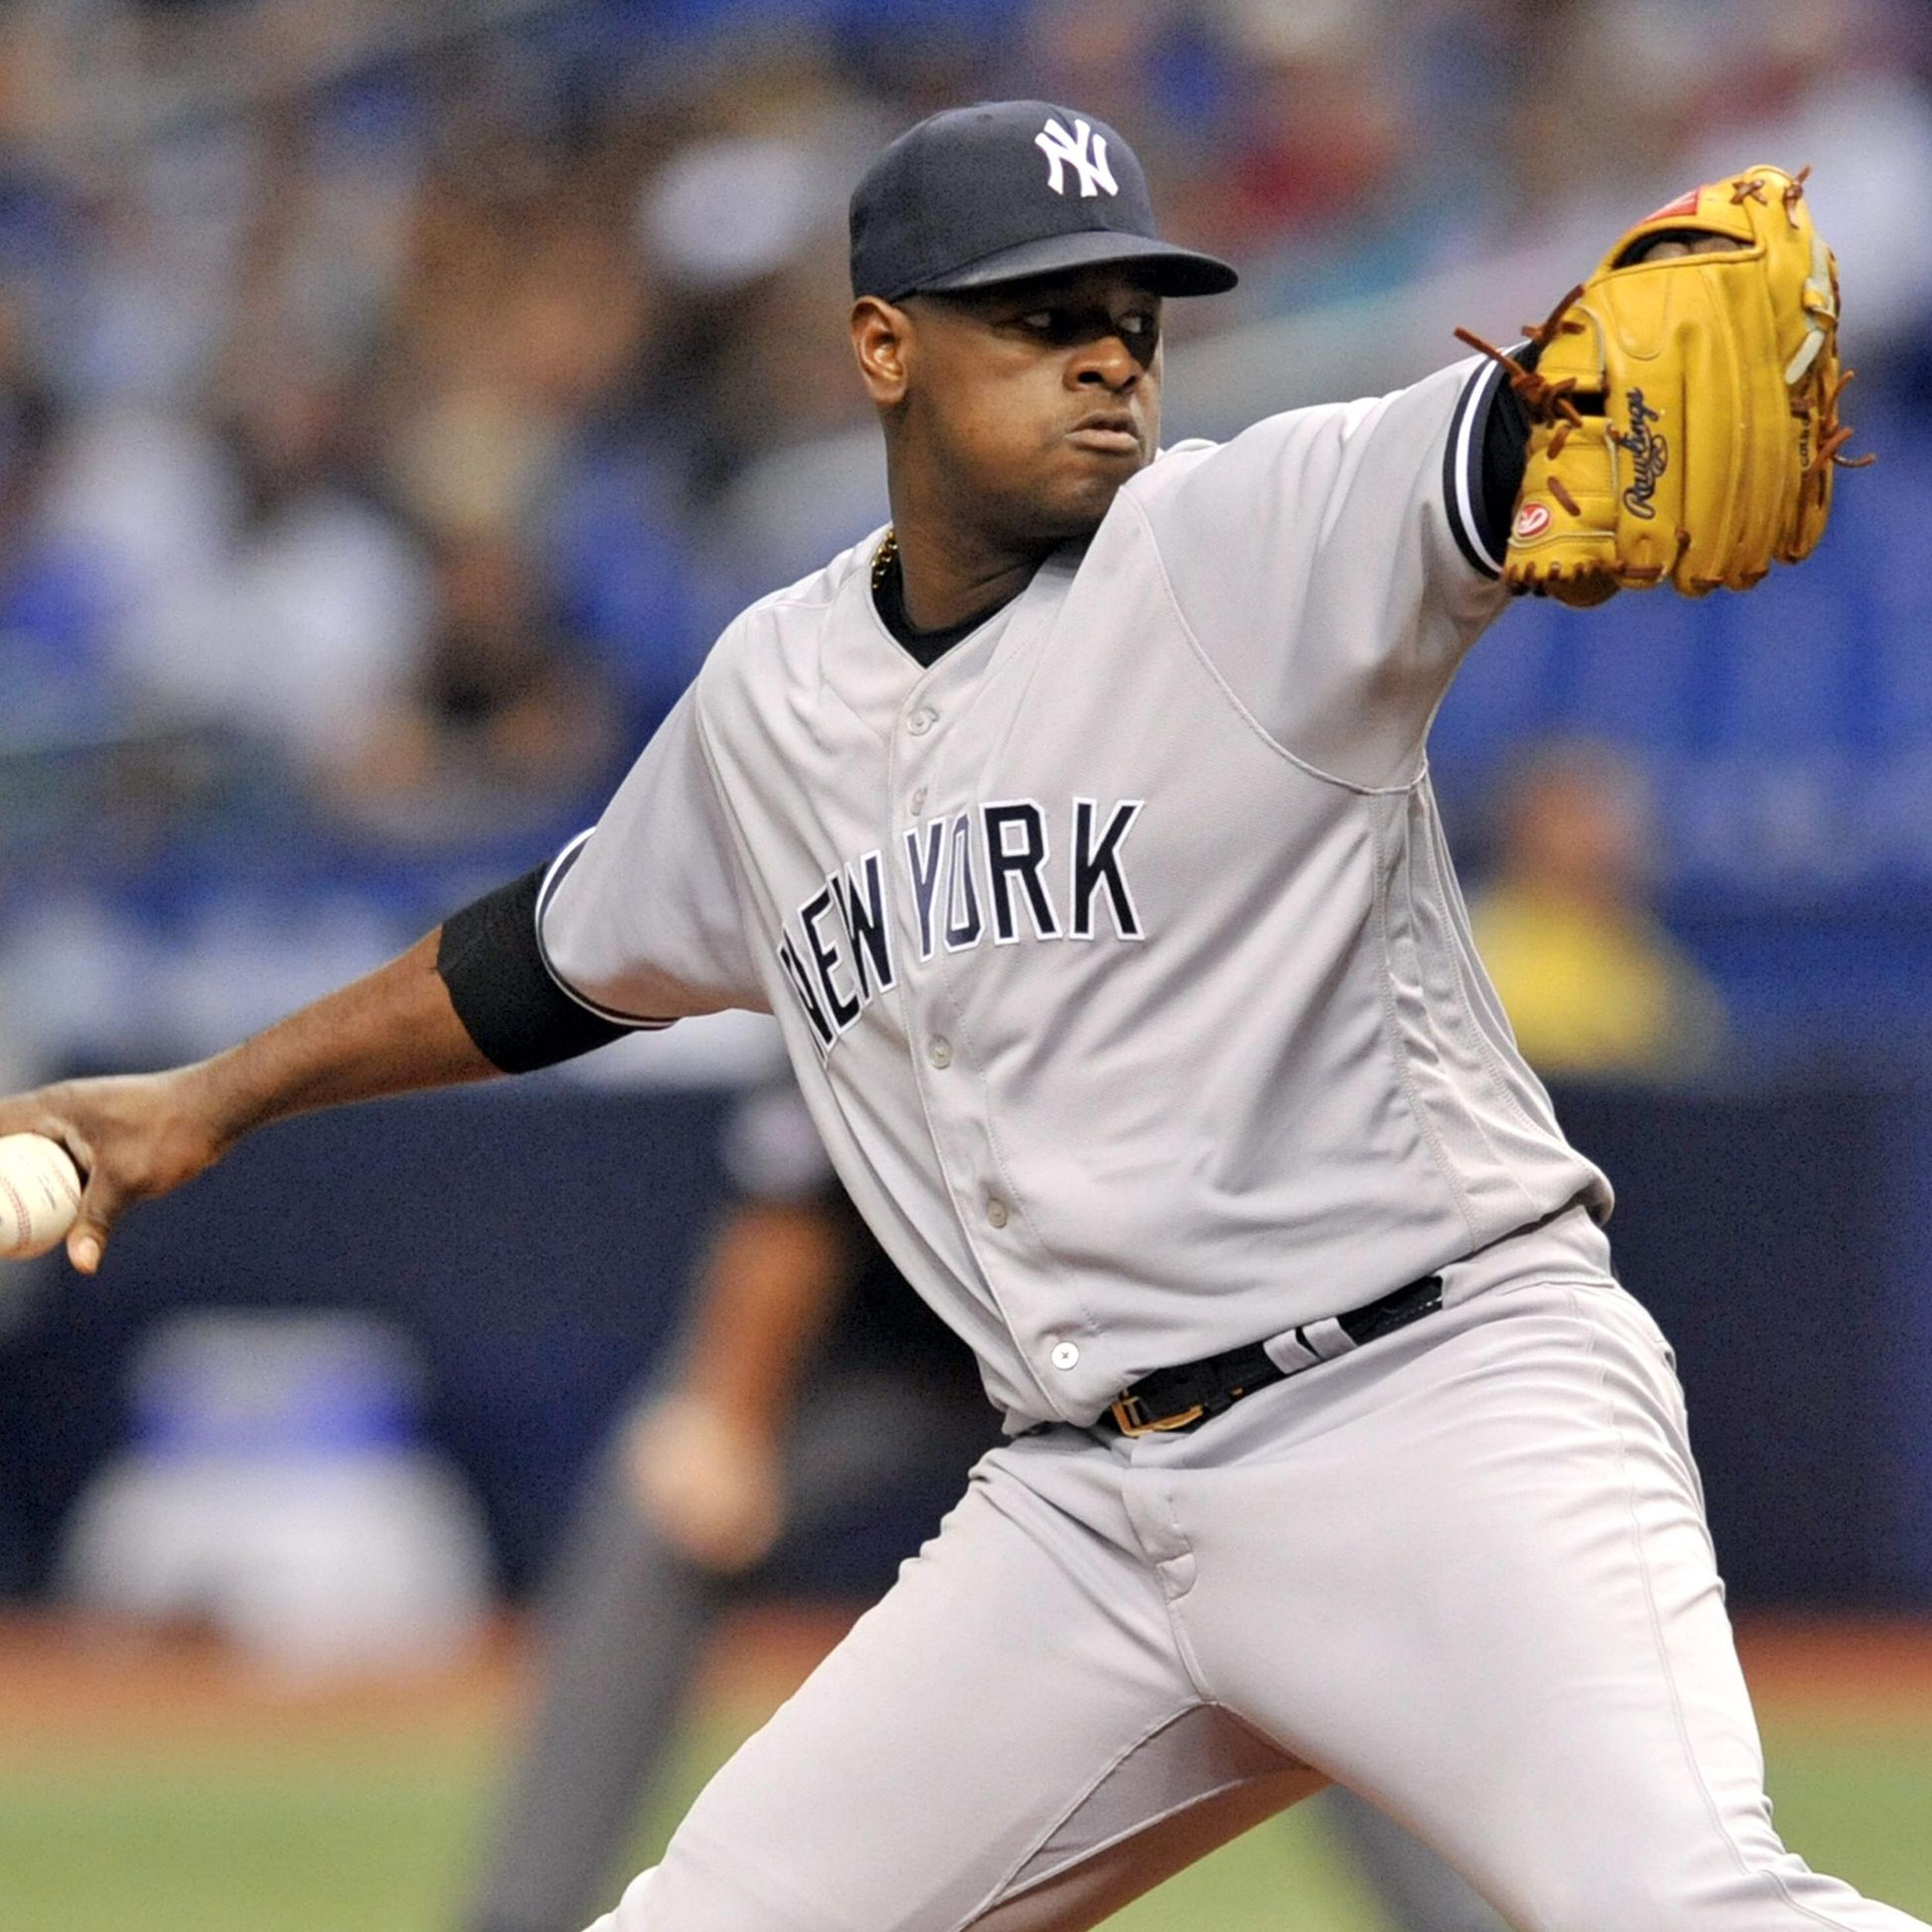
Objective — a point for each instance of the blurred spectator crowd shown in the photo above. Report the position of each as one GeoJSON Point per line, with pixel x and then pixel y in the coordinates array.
{"type": "Point", "coordinates": [396, 395]}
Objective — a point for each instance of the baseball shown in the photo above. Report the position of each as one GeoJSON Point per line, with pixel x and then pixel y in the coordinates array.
{"type": "Point", "coordinates": [39, 1195]}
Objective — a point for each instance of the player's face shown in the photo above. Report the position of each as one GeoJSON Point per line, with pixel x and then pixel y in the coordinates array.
{"type": "Point", "coordinates": [1022, 409]}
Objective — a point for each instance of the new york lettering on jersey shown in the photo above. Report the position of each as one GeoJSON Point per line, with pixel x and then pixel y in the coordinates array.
{"type": "Point", "coordinates": [986, 873]}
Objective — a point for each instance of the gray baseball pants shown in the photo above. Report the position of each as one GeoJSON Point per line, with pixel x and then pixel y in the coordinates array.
{"type": "Point", "coordinates": [625, 1623]}
{"type": "Point", "coordinates": [1463, 1570]}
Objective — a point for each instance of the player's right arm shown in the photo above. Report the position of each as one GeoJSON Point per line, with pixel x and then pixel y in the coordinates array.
{"type": "Point", "coordinates": [136, 1136]}
{"type": "Point", "coordinates": [479, 996]}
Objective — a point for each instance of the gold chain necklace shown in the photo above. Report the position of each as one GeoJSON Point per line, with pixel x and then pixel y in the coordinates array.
{"type": "Point", "coordinates": [881, 558]}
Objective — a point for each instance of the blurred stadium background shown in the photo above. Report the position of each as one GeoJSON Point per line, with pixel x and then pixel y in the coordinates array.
{"type": "Point", "coordinates": [396, 395]}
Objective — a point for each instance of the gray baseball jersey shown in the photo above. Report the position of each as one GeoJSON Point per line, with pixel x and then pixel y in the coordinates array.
{"type": "Point", "coordinates": [1118, 954]}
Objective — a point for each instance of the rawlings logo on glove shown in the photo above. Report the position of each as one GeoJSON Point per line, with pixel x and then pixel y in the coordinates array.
{"type": "Point", "coordinates": [1683, 402]}
{"type": "Point", "coordinates": [1649, 455]}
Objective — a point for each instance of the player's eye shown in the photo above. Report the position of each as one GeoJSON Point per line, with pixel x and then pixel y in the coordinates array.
{"type": "Point", "coordinates": [1140, 326]}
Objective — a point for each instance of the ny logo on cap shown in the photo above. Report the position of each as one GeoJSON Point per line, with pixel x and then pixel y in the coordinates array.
{"type": "Point", "coordinates": [1085, 150]}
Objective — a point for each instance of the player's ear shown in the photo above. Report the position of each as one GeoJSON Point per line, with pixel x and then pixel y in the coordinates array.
{"type": "Point", "coordinates": [882, 340]}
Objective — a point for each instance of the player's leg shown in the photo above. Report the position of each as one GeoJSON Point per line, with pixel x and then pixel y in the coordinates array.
{"type": "Point", "coordinates": [1415, 1890]}
{"type": "Point", "coordinates": [1099, 1883]}
{"type": "Point", "coordinates": [1412, 1890]}
{"type": "Point", "coordinates": [1014, 1710]}
{"type": "Point", "coordinates": [1466, 1571]}
{"type": "Point", "coordinates": [871, 1418]}
{"type": "Point", "coordinates": [625, 1620]}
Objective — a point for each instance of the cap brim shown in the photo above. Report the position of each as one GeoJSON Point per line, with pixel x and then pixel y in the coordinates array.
{"type": "Point", "coordinates": [1171, 270]}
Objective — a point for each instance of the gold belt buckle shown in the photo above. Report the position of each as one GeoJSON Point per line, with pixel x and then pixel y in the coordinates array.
{"type": "Point", "coordinates": [1130, 1420]}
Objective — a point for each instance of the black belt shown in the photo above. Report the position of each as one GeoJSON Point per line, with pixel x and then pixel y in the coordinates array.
{"type": "Point", "coordinates": [1171, 1400]}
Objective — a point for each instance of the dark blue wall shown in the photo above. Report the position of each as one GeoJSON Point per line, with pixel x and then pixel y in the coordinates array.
{"type": "Point", "coordinates": [537, 1242]}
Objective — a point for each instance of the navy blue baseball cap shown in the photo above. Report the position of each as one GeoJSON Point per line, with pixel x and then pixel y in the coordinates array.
{"type": "Point", "coordinates": [994, 193]}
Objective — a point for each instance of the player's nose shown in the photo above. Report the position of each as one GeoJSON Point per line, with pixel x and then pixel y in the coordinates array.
{"type": "Point", "coordinates": [1106, 363]}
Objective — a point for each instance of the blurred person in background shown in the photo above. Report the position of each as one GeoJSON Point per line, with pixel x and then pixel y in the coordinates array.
{"type": "Point", "coordinates": [504, 723]}
{"type": "Point", "coordinates": [520, 407]}
{"type": "Point", "coordinates": [310, 620]}
{"type": "Point", "coordinates": [1594, 986]}
{"type": "Point", "coordinates": [54, 670]}
{"type": "Point", "coordinates": [1327, 181]}
{"type": "Point", "coordinates": [741, 222]}
{"type": "Point", "coordinates": [813, 1404]}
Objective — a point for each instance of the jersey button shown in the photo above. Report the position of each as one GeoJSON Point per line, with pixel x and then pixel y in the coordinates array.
{"type": "Point", "coordinates": [918, 801]}
{"type": "Point", "coordinates": [940, 1052]}
{"type": "Point", "coordinates": [996, 1212]}
{"type": "Point", "coordinates": [1065, 1355]}
{"type": "Point", "coordinates": [922, 721]}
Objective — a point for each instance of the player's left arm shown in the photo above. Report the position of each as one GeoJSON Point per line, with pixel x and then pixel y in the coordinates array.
{"type": "Point", "coordinates": [469, 1001]}
{"type": "Point", "coordinates": [1335, 563]}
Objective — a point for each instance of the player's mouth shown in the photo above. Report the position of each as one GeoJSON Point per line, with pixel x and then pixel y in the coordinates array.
{"type": "Point", "coordinates": [1107, 432]}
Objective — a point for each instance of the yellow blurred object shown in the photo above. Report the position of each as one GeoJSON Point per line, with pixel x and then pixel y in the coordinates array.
{"type": "Point", "coordinates": [1596, 991]}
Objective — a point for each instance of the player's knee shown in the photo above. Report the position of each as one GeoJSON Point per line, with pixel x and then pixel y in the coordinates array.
{"type": "Point", "coordinates": [1601, 1902]}
{"type": "Point", "coordinates": [1632, 1900]}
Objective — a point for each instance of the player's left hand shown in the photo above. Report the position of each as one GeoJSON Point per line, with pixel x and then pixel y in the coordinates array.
{"type": "Point", "coordinates": [1684, 402]}
{"type": "Point", "coordinates": [711, 1484]}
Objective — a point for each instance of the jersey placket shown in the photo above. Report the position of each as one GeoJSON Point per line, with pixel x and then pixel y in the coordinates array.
{"type": "Point", "coordinates": [935, 826]}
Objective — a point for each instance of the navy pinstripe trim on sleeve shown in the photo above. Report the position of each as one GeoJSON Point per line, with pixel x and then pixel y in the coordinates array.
{"type": "Point", "coordinates": [1462, 491]}
{"type": "Point", "coordinates": [560, 866]}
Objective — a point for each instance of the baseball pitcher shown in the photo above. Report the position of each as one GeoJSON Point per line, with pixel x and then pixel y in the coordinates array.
{"type": "Point", "coordinates": [1078, 828]}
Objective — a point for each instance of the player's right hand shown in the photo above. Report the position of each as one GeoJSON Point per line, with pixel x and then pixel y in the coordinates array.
{"type": "Point", "coordinates": [132, 1136]}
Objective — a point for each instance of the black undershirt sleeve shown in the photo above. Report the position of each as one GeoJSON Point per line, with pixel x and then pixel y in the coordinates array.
{"type": "Point", "coordinates": [1505, 440]}
{"type": "Point", "coordinates": [1505, 437]}
{"type": "Point", "coordinates": [516, 1013]}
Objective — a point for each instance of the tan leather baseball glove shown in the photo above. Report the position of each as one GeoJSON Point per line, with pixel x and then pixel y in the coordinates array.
{"type": "Point", "coordinates": [1684, 402]}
